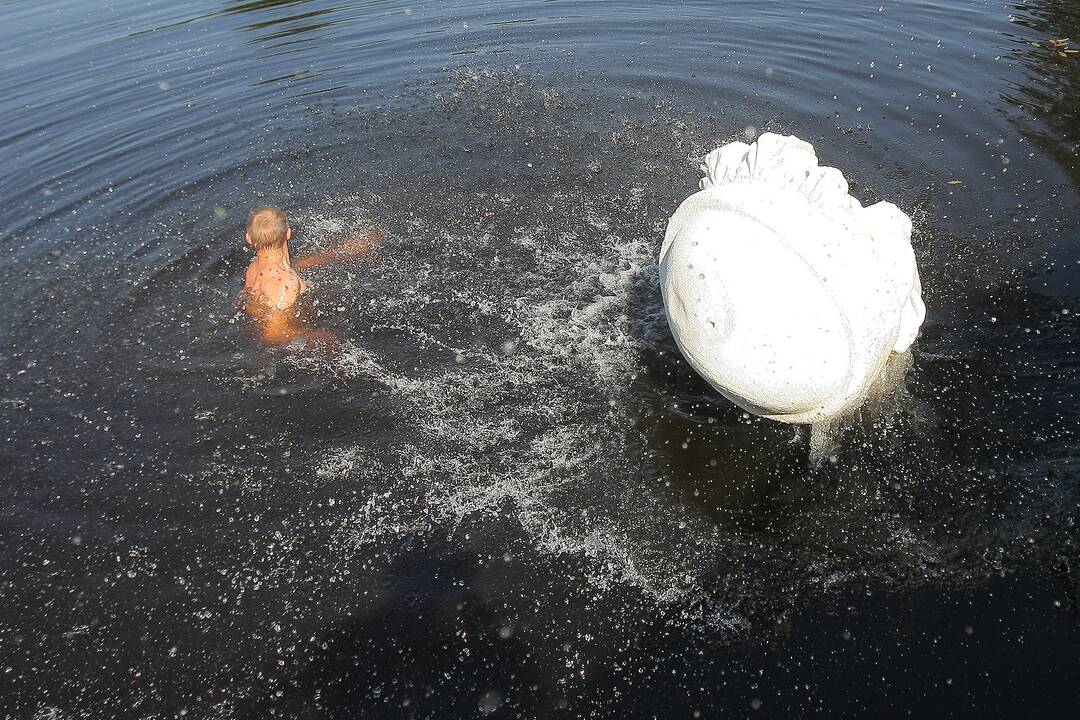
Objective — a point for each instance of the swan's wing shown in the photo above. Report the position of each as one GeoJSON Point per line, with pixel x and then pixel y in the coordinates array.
{"type": "Point", "coordinates": [891, 231]}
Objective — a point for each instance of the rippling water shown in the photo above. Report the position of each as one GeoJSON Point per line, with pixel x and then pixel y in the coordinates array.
{"type": "Point", "coordinates": [507, 495]}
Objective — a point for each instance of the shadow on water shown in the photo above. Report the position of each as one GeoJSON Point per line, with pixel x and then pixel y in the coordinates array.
{"type": "Point", "coordinates": [448, 630]}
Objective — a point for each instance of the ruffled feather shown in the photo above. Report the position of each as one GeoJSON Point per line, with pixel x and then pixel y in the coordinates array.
{"type": "Point", "coordinates": [781, 161]}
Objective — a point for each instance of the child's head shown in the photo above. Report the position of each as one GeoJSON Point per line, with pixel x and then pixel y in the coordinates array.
{"type": "Point", "coordinates": [267, 227]}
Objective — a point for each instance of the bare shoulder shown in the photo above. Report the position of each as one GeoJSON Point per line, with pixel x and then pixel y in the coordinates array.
{"type": "Point", "coordinates": [284, 290]}
{"type": "Point", "coordinates": [250, 275]}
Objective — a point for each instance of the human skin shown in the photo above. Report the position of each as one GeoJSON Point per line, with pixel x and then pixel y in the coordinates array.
{"type": "Point", "coordinates": [274, 286]}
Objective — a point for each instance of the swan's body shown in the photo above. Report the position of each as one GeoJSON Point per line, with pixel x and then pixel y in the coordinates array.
{"type": "Point", "coordinates": [781, 290]}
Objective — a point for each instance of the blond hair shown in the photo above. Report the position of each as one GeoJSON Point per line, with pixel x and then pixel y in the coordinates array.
{"type": "Point", "coordinates": [267, 227]}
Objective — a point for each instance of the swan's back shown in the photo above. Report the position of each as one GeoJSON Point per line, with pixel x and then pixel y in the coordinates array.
{"type": "Point", "coordinates": [783, 291]}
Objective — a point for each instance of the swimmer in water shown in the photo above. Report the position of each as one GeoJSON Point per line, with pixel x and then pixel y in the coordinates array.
{"type": "Point", "coordinates": [272, 284]}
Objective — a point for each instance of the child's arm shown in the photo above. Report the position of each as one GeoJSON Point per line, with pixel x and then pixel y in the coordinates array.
{"type": "Point", "coordinates": [351, 248]}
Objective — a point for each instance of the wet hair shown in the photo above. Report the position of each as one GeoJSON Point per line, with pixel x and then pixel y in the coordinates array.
{"type": "Point", "coordinates": [267, 226]}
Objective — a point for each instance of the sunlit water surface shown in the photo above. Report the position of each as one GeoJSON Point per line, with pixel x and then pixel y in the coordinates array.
{"type": "Point", "coordinates": [506, 495]}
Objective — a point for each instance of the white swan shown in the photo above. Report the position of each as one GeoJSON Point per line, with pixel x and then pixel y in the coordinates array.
{"type": "Point", "coordinates": [781, 289]}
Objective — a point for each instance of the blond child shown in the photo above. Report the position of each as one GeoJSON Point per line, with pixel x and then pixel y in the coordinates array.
{"type": "Point", "coordinates": [272, 283]}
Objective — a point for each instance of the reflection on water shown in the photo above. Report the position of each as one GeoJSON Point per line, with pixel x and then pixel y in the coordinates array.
{"type": "Point", "coordinates": [282, 20]}
{"type": "Point", "coordinates": [1049, 97]}
{"type": "Point", "coordinates": [272, 26]}
{"type": "Point", "coordinates": [243, 6]}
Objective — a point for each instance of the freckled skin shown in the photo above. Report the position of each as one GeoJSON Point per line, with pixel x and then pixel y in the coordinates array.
{"type": "Point", "coordinates": [273, 287]}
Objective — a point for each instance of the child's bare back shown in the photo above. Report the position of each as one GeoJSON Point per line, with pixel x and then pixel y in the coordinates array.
{"type": "Point", "coordinates": [277, 286]}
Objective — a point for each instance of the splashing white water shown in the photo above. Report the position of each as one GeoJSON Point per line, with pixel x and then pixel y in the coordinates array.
{"type": "Point", "coordinates": [533, 419]}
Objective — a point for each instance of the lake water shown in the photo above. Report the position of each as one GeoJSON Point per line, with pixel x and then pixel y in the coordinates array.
{"type": "Point", "coordinates": [506, 495]}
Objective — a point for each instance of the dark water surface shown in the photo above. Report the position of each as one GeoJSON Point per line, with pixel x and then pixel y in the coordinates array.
{"type": "Point", "coordinates": [506, 495]}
